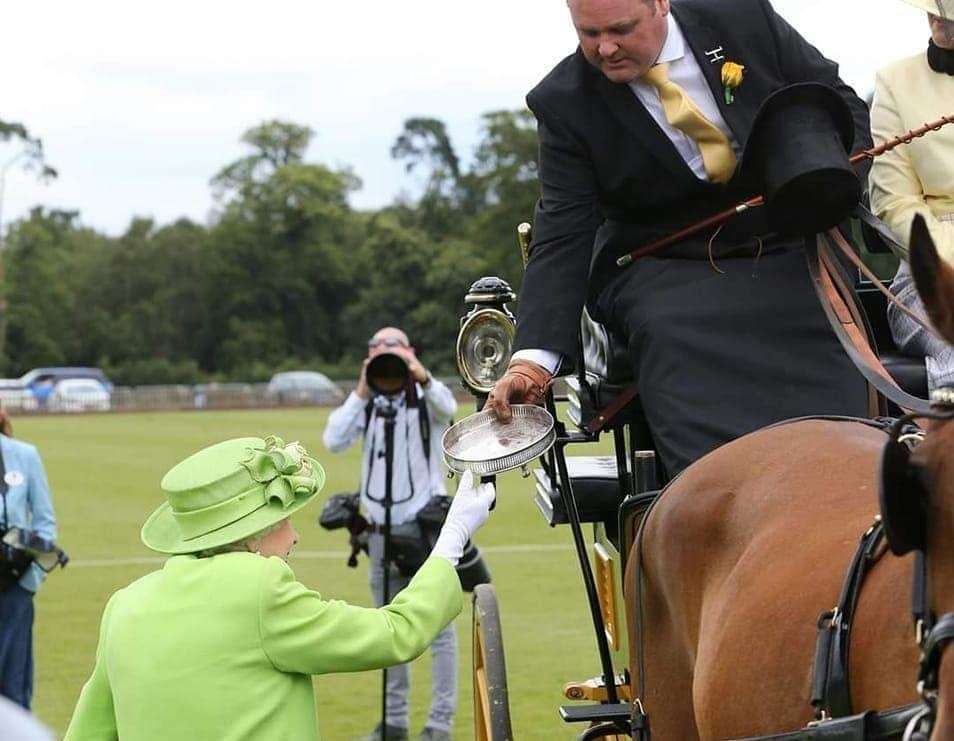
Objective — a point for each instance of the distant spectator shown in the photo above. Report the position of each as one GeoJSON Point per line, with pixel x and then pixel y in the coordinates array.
{"type": "Point", "coordinates": [42, 390]}
{"type": "Point", "coordinates": [26, 505]}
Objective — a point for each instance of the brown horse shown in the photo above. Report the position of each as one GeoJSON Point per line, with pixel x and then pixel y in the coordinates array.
{"type": "Point", "coordinates": [745, 550]}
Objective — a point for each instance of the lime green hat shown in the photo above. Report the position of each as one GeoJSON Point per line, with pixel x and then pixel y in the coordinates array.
{"type": "Point", "coordinates": [231, 491]}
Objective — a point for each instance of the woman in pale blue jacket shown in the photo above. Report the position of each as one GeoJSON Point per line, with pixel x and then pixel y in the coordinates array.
{"type": "Point", "coordinates": [24, 503]}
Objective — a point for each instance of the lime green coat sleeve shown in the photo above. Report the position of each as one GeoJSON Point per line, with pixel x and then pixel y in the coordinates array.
{"type": "Point", "coordinates": [303, 633]}
{"type": "Point", "coordinates": [94, 719]}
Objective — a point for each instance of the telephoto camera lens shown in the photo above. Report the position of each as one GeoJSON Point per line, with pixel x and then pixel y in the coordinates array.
{"type": "Point", "coordinates": [388, 374]}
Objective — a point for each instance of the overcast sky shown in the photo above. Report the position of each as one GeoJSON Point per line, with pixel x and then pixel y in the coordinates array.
{"type": "Point", "coordinates": [140, 103]}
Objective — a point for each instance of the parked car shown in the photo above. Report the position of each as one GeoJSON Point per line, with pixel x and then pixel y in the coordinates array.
{"type": "Point", "coordinates": [41, 381]}
{"type": "Point", "coordinates": [78, 395]}
{"type": "Point", "coordinates": [303, 387]}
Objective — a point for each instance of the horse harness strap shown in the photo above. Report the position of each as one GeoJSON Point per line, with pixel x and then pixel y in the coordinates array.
{"type": "Point", "coordinates": [831, 691]}
{"type": "Point", "coordinates": [888, 725]}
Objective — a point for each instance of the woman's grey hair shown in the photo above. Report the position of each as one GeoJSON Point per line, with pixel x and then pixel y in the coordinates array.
{"type": "Point", "coordinates": [239, 546]}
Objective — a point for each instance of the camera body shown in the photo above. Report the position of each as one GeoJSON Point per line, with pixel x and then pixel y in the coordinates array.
{"type": "Point", "coordinates": [14, 561]}
{"type": "Point", "coordinates": [19, 548]}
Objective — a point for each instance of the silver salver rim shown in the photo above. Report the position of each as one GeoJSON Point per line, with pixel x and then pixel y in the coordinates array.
{"type": "Point", "coordinates": [501, 464]}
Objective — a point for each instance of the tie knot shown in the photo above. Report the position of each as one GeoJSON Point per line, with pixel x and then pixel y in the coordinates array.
{"type": "Point", "coordinates": [657, 75]}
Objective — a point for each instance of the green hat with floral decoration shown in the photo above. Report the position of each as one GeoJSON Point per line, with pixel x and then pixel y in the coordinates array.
{"type": "Point", "coordinates": [230, 491]}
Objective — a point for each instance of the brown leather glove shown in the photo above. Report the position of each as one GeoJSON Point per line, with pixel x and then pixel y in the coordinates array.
{"type": "Point", "coordinates": [523, 383]}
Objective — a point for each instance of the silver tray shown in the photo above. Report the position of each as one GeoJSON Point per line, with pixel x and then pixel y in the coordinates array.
{"type": "Point", "coordinates": [484, 446]}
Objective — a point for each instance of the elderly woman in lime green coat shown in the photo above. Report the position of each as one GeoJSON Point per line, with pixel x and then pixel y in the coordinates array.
{"type": "Point", "coordinates": [222, 642]}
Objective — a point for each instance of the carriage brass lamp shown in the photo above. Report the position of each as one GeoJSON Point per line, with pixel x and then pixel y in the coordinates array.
{"type": "Point", "coordinates": [485, 341]}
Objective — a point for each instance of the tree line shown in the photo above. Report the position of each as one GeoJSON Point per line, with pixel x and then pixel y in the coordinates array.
{"type": "Point", "coordinates": [286, 275]}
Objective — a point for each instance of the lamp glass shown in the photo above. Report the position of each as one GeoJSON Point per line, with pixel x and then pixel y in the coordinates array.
{"type": "Point", "coordinates": [484, 348]}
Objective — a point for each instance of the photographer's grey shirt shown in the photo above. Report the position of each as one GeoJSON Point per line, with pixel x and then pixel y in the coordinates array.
{"type": "Point", "coordinates": [415, 480]}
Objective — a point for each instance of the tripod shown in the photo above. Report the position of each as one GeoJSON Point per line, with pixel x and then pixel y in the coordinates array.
{"type": "Point", "coordinates": [387, 412]}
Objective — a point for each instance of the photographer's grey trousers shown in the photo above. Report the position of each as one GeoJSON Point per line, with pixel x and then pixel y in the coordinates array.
{"type": "Point", "coordinates": [443, 657]}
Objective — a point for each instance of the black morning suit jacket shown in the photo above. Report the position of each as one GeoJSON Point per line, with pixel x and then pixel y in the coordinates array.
{"type": "Point", "coordinates": [611, 181]}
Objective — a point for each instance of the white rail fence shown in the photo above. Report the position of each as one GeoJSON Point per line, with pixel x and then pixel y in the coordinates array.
{"type": "Point", "coordinates": [183, 397]}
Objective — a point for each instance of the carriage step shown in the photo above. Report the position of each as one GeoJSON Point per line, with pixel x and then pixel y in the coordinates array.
{"type": "Point", "coordinates": [603, 713]}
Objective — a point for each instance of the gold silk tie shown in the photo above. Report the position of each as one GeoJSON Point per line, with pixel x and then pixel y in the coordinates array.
{"type": "Point", "coordinates": [683, 114]}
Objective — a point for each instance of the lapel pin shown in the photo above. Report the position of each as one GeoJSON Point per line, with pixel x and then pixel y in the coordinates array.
{"type": "Point", "coordinates": [715, 56]}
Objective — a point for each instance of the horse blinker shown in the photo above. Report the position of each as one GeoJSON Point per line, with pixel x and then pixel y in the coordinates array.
{"type": "Point", "coordinates": [903, 499]}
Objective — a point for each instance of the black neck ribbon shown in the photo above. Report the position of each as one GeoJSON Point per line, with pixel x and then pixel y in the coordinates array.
{"type": "Point", "coordinates": [941, 60]}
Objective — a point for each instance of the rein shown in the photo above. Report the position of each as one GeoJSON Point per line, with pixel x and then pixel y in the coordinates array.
{"type": "Point", "coordinates": [852, 337]}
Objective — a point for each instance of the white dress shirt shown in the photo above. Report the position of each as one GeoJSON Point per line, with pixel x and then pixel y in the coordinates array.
{"type": "Point", "coordinates": [684, 70]}
{"type": "Point", "coordinates": [413, 480]}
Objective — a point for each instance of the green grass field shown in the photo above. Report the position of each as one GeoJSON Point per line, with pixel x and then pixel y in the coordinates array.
{"type": "Point", "coordinates": [104, 472]}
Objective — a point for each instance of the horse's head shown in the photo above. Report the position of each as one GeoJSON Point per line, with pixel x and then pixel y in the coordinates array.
{"type": "Point", "coordinates": [931, 465]}
{"type": "Point", "coordinates": [934, 278]}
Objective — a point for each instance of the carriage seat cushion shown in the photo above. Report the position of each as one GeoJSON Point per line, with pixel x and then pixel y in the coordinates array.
{"type": "Point", "coordinates": [595, 486]}
{"type": "Point", "coordinates": [595, 469]}
{"type": "Point", "coordinates": [910, 373]}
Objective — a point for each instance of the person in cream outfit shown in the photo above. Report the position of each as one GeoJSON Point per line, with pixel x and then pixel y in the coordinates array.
{"type": "Point", "coordinates": [919, 178]}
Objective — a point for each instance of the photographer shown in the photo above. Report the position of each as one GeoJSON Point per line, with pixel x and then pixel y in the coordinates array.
{"type": "Point", "coordinates": [25, 504]}
{"type": "Point", "coordinates": [423, 409]}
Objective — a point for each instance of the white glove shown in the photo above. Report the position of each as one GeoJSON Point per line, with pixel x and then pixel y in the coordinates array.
{"type": "Point", "coordinates": [468, 511]}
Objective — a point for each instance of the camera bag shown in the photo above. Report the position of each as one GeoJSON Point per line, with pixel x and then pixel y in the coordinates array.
{"type": "Point", "coordinates": [339, 510]}
{"type": "Point", "coordinates": [14, 562]}
{"type": "Point", "coordinates": [344, 511]}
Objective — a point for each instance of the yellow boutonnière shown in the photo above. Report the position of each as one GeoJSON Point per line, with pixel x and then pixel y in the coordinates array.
{"type": "Point", "coordinates": [732, 75]}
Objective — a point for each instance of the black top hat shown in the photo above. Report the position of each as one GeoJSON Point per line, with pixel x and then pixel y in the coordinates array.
{"type": "Point", "coordinates": [797, 156]}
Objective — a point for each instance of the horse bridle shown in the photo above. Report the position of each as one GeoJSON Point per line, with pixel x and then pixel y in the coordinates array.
{"type": "Point", "coordinates": [903, 499]}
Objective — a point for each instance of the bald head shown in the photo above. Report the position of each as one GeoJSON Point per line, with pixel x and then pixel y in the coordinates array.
{"type": "Point", "coordinates": [391, 333]}
{"type": "Point", "coordinates": [389, 340]}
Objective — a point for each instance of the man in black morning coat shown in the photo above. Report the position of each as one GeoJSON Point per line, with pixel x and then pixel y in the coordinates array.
{"type": "Point", "coordinates": [724, 330]}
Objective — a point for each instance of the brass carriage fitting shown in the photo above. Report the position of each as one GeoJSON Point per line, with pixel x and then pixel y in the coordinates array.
{"type": "Point", "coordinates": [606, 593]}
{"type": "Point", "coordinates": [524, 240]}
{"type": "Point", "coordinates": [594, 690]}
